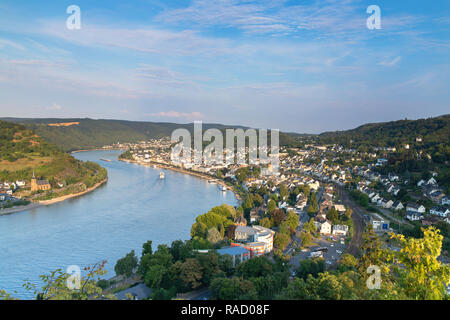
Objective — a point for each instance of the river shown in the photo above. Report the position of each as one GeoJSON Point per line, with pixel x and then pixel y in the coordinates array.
{"type": "Point", "coordinates": [133, 207]}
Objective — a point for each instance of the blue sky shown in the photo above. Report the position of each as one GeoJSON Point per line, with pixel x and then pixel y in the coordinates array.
{"type": "Point", "coordinates": [303, 66]}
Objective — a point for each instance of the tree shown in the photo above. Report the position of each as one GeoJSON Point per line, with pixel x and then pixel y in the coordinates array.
{"type": "Point", "coordinates": [421, 275]}
{"type": "Point", "coordinates": [292, 220]}
{"type": "Point", "coordinates": [333, 215]}
{"type": "Point", "coordinates": [233, 289]}
{"type": "Point", "coordinates": [226, 264]}
{"type": "Point", "coordinates": [55, 285]}
{"type": "Point", "coordinates": [281, 240]}
{"type": "Point", "coordinates": [284, 192]}
{"type": "Point", "coordinates": [210, 264]}
{"type": "Point", "coordinates": [126, 265]}
{"type": "Point", "coordinates": [190, 272]}
{"type": "Point", "coordinates": [306, 239]}
{"type": "Point", "coordinates": [348, 213]}
{"type": "Point", "coordinates": [257, 200]}
{"type": "Point", "coordinates": [347, 262]}
{"type": "Point", "coordinates": [310, 227]}
{"type": "Point", "coordinates": [256, 267]}
{"type": "Point", "coordinates": [155, 276]}
{"type": "Point", "coordinates": [147, 248]}
{"type": "Point", "coordinates": [180, 250]}
{"type": "Point", "coordinates": [214, 236]}
{"type": "Point", "coordinates": [271, 206]}
{"type": "Point", "coordinates": [310, 267]}
{"type": "Point", "coordinates": [278, 216]}
{"type": "Point", "coordinates": [373, 253]}
{"type": "Point", "coordinates": [231, 231]}
{"type": "Point", "coordinates": [265, 222]}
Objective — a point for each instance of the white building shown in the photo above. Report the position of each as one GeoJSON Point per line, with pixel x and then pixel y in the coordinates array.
{"type": "Point", "coordinates": [340, 230]}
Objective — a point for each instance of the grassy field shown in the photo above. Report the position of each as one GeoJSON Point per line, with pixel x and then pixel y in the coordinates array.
{"type": "Point", "coordinates": [32, 161]}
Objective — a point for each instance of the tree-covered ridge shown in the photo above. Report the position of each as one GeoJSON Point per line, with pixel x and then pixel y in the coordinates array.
{"type": "Point", "coordinates": [90, 133]}
{"type": "Point", "coordinates": [23, 152]}
{"type": "Point", "coordinates": [431, 131]}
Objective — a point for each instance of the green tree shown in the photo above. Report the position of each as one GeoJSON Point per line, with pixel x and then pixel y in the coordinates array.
{"type": "Point", "coordinates": [310, 267]}
{"type": "Point", "coordinates": [271, 206]}
{"type": "Point", "coordinates": [127, 264]}
{"type": "Point", "coordinates": [420, 274]}
{"type": "Point", "coordinates": [292, 220]}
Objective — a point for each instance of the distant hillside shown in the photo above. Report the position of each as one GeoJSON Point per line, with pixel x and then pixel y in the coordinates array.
{"type": "Point", "coordinates": [22, 151]}
{"type": "Point", "coordinates": [77, 134]}
{"type": "Point", "coordinates": [431, 131]}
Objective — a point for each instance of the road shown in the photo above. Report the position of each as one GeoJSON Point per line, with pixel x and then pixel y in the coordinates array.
{"type": "Point", "coordinates": [388, 214]}
{"type": "Point", "coordinates": [358, 222]}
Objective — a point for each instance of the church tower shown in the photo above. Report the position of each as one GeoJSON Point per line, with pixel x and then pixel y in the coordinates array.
{"type": "Point", "coordinates": [34, 186]}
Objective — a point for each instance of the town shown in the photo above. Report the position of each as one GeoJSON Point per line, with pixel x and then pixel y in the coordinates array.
{"type": "Point", "coordinates": [317, 204]}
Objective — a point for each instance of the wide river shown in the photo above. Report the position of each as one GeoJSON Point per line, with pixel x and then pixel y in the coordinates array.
{"type": "Point", "coordinates": [133, 207]}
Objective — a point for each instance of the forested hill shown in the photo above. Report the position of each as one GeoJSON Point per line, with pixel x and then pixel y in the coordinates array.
{"type": "Point", "coordinates": [432, 131]}
{"type": "Point", "coordinates": [77, 134]}
{"type": "Point", "coordinates": [22, 151]}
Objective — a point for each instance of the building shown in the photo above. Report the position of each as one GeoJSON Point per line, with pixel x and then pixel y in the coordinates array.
{"type": "Point", "coordinates": [323, 224]}
{"type": "Point", "coordinates": [244, 234]}
{"type": "Point", "coordinates": [440, 211]}
{"type": "Point", "coordinates": [240, 221]}
{"type": "Point", "coordinates": [437, 196]}
{"type": "Point", "coordinates": [445, 200]}
{"type": "Point", "coordinates": [238, 253]}
{"type": "Point", "coordinates": [340, 230]}
{"type": "Point", "coordinates": [37, 185]}
{"type": "Point", "coordinates": [138, 292]}
{"type": "Point", "coordinates": [379, 224]}
{"type": "Point", "coordinates": [257, 239]}
{"type": "Point", "coordinates": [415, 207]}
{"type": "Point", "coordinates": [413, 216]}
{"type": "Point", "coordinates": [397, 206]}
{"type": "Point", "coordinates": [339, 208]}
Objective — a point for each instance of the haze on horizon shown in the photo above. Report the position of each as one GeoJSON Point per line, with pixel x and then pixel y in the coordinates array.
{"type": "Point", "coordinates": [300, 66]}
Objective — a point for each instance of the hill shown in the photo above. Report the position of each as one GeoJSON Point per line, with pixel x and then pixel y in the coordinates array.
{"type": "Point", "coordinates": [79, 134]}
{"type": "Point", "coordinates": [22, 151]}
{"type": "Point", "coordinates": [431, 131]}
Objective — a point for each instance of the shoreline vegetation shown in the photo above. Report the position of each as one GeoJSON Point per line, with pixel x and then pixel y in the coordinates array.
{"type": "Point", "coordinates": [37, 204]}
{"type": "Point", "coordinates": [184, 171]}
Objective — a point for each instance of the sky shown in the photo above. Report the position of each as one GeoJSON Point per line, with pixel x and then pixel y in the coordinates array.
{"type": "Point", "coordinates": [303, 66]}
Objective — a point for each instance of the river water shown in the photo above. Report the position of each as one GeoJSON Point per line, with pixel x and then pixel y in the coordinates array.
{"type": "Point", "coordinates": [133, 207]}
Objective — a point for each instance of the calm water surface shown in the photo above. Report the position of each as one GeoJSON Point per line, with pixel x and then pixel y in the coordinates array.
{"type": "Point", "coordinates": [133, 207]}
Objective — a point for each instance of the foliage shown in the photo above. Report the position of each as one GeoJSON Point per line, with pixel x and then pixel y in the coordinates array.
{"type": "Point", "coordinates": [127, 264]}
{"type": "Point", "coordinates": [58, 285]}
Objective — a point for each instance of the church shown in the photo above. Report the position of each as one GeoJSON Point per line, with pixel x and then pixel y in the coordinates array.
{"type": "Point", "coordinates": [39, 184]}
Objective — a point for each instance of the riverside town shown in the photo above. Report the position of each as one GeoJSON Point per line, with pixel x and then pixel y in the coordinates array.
{"type": "Point", "coordinates": [225, 158]}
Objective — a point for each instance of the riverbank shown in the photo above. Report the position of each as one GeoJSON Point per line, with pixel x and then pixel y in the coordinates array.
{"type": "Point", "coordinates": [184, 171]}
{"type": "Point", "coordinates": [96, 149]}
{"type": "Point", "coordinates": [34, 205]}
{"type": "Point", "coordinates": [74, 195]}
{"type": "Point", "coordinates": [4, 212]}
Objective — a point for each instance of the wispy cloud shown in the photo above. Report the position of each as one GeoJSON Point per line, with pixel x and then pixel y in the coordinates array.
{"type": "Point", "coordinates": [391, 63]}
{"type": "Point", "coordinates": [54, 107]}
{"type": "Point", "coordinates": [178, 115]}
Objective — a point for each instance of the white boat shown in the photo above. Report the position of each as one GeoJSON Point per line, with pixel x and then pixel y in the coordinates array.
{"type": "Point", "coordinates": [224, 189]}
{"type": "Point", "coordinates": [161, 175]}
